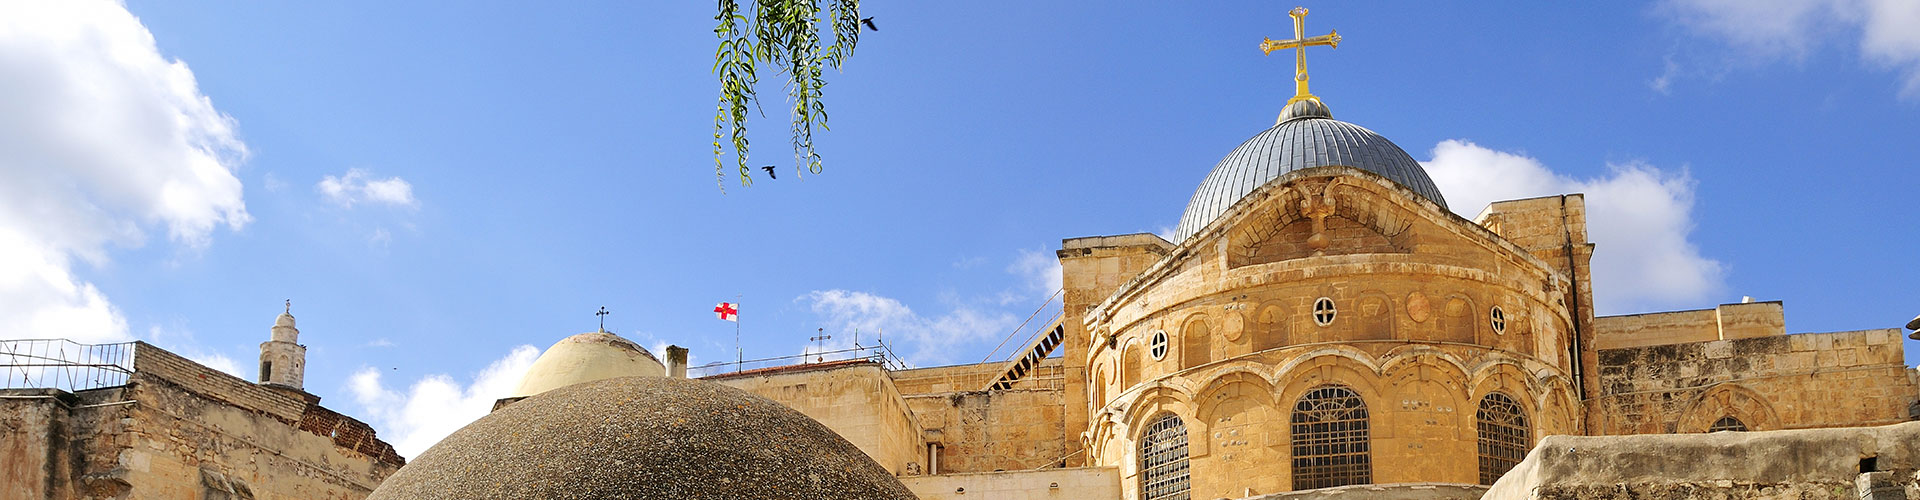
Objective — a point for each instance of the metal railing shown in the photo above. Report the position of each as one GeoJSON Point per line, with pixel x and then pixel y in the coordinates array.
{"type": "Point", "coordinates": [881, 354]}
{"type": "Point", "coordinates": [63, 364]}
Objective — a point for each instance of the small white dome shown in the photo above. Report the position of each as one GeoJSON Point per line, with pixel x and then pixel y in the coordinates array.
{"type": "Point", "coordinates": [585, 358]}
{"type": "Point", "coordinates": [285, 320]}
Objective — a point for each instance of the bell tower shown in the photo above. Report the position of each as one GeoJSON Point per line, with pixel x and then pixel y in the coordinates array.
{"type": "Point", "coordinates": [283, 361]}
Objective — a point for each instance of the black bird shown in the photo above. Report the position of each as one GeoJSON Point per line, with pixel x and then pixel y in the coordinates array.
{"type": "Point", "coordinates": [769, 169]}
{"type": "Point", "coordinates": [869, 23]}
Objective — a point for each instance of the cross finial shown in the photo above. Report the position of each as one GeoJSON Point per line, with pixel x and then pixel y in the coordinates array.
{"type": "Point", "coordinates": [1299, 43]}
{"type": "Point", "coordinates": [603, 318]}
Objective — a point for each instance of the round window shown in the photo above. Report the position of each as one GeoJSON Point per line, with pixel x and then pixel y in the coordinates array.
{"type": "Point", "coordinates": [1499, 320]}
{"type": "Point", "coordinates": [1158, 346]}
{"type": "Point", "coordinates": [1323, 311]}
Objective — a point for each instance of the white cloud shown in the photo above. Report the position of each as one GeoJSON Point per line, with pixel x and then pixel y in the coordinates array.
{"type": "Point", "coordinates": [1764, 30]}
{"type": "Point", "coordinates": [379, 342]}
{"type": "Point", "coordinates": [1039, 270]}
{"type": "Point", "coordinates": [1664, 83]}
{"type": "Point", "coordinates": [360, 186]}
{"type": "Point", "coordinates": [922, 340]}
{"type": "Point", "coordinates": [435, 405]}
{"type": "Point", "coordinates": [103, 137]}
{"type": "Point", "coordinates": [1638, 217]}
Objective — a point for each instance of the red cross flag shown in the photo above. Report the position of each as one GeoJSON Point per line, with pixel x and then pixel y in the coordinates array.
{"type": "Point", "coordinates": [728, 311]}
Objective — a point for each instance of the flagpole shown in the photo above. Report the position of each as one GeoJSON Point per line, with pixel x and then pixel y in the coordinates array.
{"type": "Point", "coordinates": [739, 355]}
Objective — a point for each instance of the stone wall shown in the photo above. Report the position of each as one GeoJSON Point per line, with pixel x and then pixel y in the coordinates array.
{"type": "Point", "coordinates": [1770, 382]}
{"type": "Point", "coordinates": [974, 377]}
{"type": "Point", "coordinates": [985, 431]}
{"type": "Point", "coordinates": [1399, 491]}
{"type": "Point", "coordinates": [1084, 483]}
{"type": "Point", "coordinates": [211, 383]}
{"type": "Point", "coordinates": [1803, 464]}
{"type": "Point", "coordinates": [855, 398]}
{"type": "Point", "coordinates": [178, 429]}
{"type": "Point", "coordinates": [1726, 322]}
{"type": "Point", "coordinates": [1092, 268]}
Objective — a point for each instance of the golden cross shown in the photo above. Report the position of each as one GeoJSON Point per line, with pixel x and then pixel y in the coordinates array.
{"type": "Point", "coordinates": [1299, 43]}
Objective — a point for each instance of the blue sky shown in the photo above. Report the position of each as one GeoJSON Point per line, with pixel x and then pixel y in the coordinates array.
{"type": "Point", "coordinates": [437, 186]}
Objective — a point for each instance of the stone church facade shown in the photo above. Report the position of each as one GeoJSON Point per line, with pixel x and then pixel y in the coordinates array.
{"type": "Point", "coordinates": [1324, 320]}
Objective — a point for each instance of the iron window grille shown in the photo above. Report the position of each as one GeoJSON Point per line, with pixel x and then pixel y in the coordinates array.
{"type": "Point", "coordinates": [1504, 436]}
{"type": "Point", "coordinates": [1498, 318]}
{"type": "Point", "coordinates": [1163, 460]}
{"type": "Point", "coordinates": [1728, 423]}
{"type": "Point", "coordinates": [1324, 312]}
{"type": "Point", "coordinates": [1330, 439]}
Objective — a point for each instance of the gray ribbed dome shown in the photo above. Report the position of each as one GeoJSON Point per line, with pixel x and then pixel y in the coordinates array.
{"type": "Point", "coordinates": [1297, 144]}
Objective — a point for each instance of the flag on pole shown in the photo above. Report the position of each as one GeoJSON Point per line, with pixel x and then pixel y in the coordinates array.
{"type": "Point", "coordinates": [728, 311]}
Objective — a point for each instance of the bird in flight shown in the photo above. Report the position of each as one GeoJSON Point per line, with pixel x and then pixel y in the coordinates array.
{"type": "Point", "coordinates": [869, 23]}
{"type": "Point", "coordinates": [769, 169]}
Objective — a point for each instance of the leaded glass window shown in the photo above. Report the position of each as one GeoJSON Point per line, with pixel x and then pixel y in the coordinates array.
{"type": "Point", "coordinates": [1728, 423]}
{"type": "Point", "coordinates": [1163, 459]}
{"type": "Point", "coordinates": [1330, 443]}
{"type": "Point", "coordinates": [1504, 436]}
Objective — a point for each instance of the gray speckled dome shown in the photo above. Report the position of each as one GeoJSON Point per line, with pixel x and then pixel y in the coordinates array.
{"type": "Point", "coordinates": [643, 438]}
{"type": "Point", "coordinates": [1297, 144]}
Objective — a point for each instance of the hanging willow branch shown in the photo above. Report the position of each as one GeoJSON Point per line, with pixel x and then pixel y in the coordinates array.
{"type": "Point", "coordinates": [786, 35]}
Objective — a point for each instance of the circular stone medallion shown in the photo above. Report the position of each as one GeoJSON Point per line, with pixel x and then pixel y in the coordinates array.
{"type": "Point", "coordinates": [1418, 309]}
{"type": "Point", "coordinates": [1232, 325]}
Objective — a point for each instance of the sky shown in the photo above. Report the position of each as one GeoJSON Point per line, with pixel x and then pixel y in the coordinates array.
{"type": "Point", "coordinates": [443, 190]}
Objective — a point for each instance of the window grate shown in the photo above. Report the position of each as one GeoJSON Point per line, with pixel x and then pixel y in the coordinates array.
{"type": "Point", "coordinates": [1163, 460]}
{"type": "Point", "coordinates": [1330, 443]}
{"type": "Point", "coordinates": [1728, 423]}
{"type": "Point", "coordinates": [1324, 312]}
{"type": "Point", "coordinates": [1504, 436]}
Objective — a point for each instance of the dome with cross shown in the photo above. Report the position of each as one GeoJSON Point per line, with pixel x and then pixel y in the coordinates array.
{"type": "Point", "coordinates": [1305, 136]}
{"type": "Point", "coordinates": [585, 358]}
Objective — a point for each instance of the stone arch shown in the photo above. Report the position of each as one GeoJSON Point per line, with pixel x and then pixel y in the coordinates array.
{"type": "Point", "coordinates": [1557, 415]}
{"type": "Point", "coordinates": [1373, 316]}
{"type": "Point", "coordinates": [1362, 362]}
{"type": "Point", "coordinates": [1237, 412]}
{"type": "Point", "coordinates": [1130, 365]}
{"type": "Point", "coordinates": [1099, 384]}
{"type": "Point", "coordinates": [1421, 353]}
{"type": "Point", "coordinates": [1271, 326]}
{"type": "Point", "coordinates": [1425, 407]}
{"type": "Point", "coordinates": [1155, 399]}
{"type": "Point", "coordinates": [1505, 375]}
{"type": "Point", "coordinates": [1162, 457]}
{"type": "Point", "coordinates": [1330, 366]}
{"type": "Point", "coordinates": [1728, 399]}
{"type": "Point", "coordinates": [1196, 342]}
{"type": "Point", "coordinates": [1458, 319]}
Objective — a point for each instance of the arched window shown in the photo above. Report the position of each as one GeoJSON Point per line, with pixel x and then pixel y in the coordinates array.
{"type": "Point", "coordinates": [1728, 423]}
{"type": "Point", "coordinates": [1163, 459]}
{"type": "Point", "coordinates": [1330, 446]}
{"type": "Point", "coordinates": [1504, 436]}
